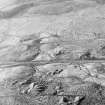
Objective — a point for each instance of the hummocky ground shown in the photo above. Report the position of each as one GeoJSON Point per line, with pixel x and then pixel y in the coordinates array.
{"type": "Point", "coordinates": [42, 43]}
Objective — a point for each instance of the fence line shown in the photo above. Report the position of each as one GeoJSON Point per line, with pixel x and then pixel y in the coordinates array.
{"type": "Point", "coordinates": [42, 62]}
